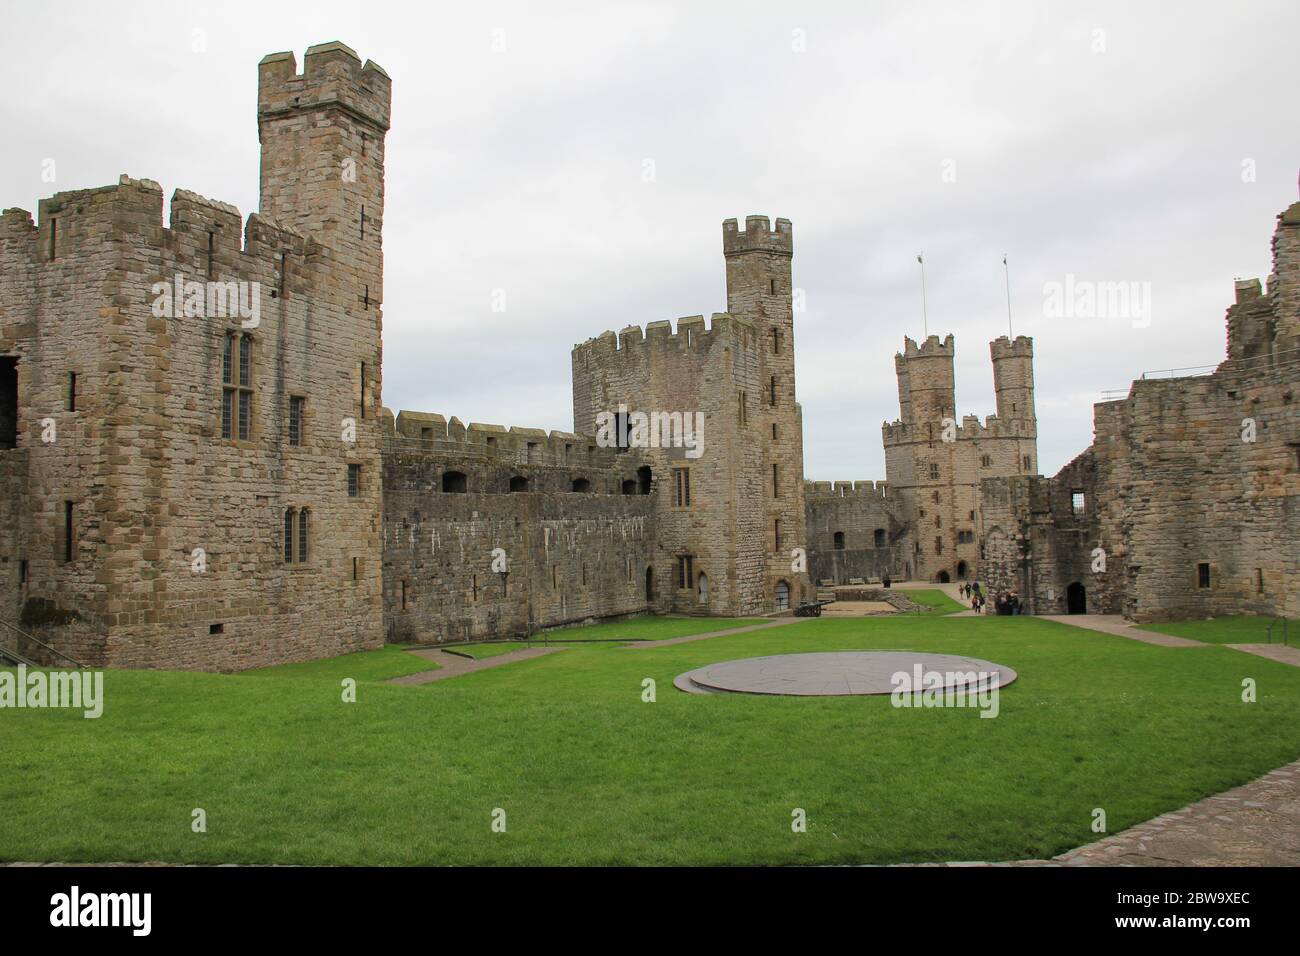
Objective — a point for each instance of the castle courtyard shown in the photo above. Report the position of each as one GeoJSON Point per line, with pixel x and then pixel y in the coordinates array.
{"type": "Point", "coordinates": [583, 766]}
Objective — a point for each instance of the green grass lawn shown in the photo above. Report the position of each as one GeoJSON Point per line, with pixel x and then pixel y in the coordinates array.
{"type": "Point", "coordinates": [588, 773]}
{"type": "Point", "coordinates": [935, 601]}
{"type": "Point", "coordinates": [392, 660]}
{"type": "Point", "coordinates": [1244, 629]}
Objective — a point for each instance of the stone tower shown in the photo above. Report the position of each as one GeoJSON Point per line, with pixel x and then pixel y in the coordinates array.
{"type": "Point", "coordinates": [935, 462]}
{"type": "Point", "coordinates": [728, 519]}
{"type": "Point", "coordinates": [322, 170]}
{"type": "Point", "coordinates": [760, 291]}
{"type": "Point", "coordinates": [212, 499]}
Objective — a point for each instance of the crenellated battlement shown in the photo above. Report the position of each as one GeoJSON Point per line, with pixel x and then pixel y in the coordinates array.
{"type": "Point", "coordinates": [846, 489]}
{"type": "Point", "coordinates": [970, 429]}
{"type": "Point", "coordinates": [757, 236]}
{"type": "Point", "coordinates": [1003, 347]}
{"type": "Point", "coordinates": [192, 234]}
{"type": "Point", "coordinates": [690, 334]}
{"type": "Point", "coordinates": [932, 347]}
{"type": "Point", "coordinates": [429, 432]}
{"type": "Point", "coordinates": [333, 76]}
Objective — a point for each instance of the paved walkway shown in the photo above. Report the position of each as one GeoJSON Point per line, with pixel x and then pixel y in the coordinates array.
{"type": "Point", "coordinates": [453, 665]}
{"type": "Point", "coordinates": [1253, 825]}
{"type": "Point", "coordinates": [778, 622]}
{"type": "Point", "coordinates": [1274, 652]}
{"type": "Point", "coordinates": [1115, 624]}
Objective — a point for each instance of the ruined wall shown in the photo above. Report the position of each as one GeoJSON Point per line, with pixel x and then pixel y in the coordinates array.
{"type": "Point", "coordinates": [575, 539]}
{"type": "Point", "coordinates": [1192, 483]}
{"type": "Point", "coordinates": [876, 539]}
{"type": "Point", "coordinates": [143, 458]}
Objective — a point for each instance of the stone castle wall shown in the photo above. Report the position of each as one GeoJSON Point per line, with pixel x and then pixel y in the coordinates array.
{"type": "Point", "coordinates": [856, 531]}
{"type": "Point", "coordinates": [576, 542]}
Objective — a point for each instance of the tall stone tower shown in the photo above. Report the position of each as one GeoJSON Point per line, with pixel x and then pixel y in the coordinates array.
{"type": "Point", "coordinates": [759, 290]}
{"type": "Point", "coordinates": [729, 519]}
{"type": "Point", "coordinates": [322, 171]}
{"type": "Point", "coordinates": [213, 499]}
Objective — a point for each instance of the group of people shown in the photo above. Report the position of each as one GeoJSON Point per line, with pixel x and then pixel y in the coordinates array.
{"type": "Point", "coordinates": [1004, 602]}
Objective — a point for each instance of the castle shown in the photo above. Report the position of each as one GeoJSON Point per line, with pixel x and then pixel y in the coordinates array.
{"type": "Point", "coordinates": [198, 470]}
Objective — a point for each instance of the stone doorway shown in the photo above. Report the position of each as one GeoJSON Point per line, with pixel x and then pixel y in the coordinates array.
{"type": "Point", "coordinates": [1076, 599]}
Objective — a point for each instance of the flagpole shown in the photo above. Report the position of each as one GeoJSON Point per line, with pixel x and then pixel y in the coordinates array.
{"type": "Point", "coordinates": [925, 322]}
{"type": "Point", "coordinates": [1007, 271]}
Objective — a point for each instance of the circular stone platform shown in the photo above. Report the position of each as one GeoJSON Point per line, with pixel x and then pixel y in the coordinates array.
{"type": "Point", "coordinates": [839, 673]}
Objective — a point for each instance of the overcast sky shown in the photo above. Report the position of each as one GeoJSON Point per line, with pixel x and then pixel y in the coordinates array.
{"type": "Point", "coordinates": [1115, 142]}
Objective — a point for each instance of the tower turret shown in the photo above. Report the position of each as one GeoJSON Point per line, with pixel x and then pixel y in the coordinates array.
{"type": "Point", "coordinates": [322, 135]}
{"type": "Point", "coordinates": [1013, 377]}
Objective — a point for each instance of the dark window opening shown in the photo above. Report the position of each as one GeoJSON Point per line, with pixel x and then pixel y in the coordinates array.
{"type": "Point", "coordinates": [1259, 580]}
{"type": "Point", "coordinates": [776, 481]}
{"type": "Point", "coordinates": [304, 524]}
{"type": "Point", "coordinates": [72, 391]}
{"type": "Point", "coordinates": [295, 419]}
{"type": "Point", "coordinates": [237, 386]}
{"type": "Point", "coordinates": [643, 479]}
{"type": "Point", "coordinates": [771, 391]}
{"type": "Point", "coordinates": [68, 536]}
{"type": "Point", "coordinates": [839, 540]}
{"type": "Point", "coordinates": [685, 572]}
{"type": "Point", "coordinates": [682, 481]}
{"type": "Point", "coordinates": [22, 571]}
{"type": "Point", "coordinates": [354, 481]}
{"type": "Point", "coordinates": [454, 482]}
{"type": "Point", "coordinates": [403, 595]}
{"type": "Point", "coordinates": [8, 402]}
{"type": "Point", "coordinates": [363, 389]}
{"type": "Point", "coordinates": [54, 237]}
{"type": "Point", "coordinates": [216, 628]}
{"type": "Point", "coordinates": [356, 569]}
{"type": "Point", "coordinates": [582, 485]}
{"type": "Point", "coordinates": [518, 483]}
{"type": "Point", "coordinates": [1203, 575]}
{"type": "Point", "coordinates": [776, 534]}
{"type": "Point", "coordinates": [629, 486]}
{"type": "Point", "coordinates": [878, 537]}
{"type": "Point", "coordinates": [288, 535]}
